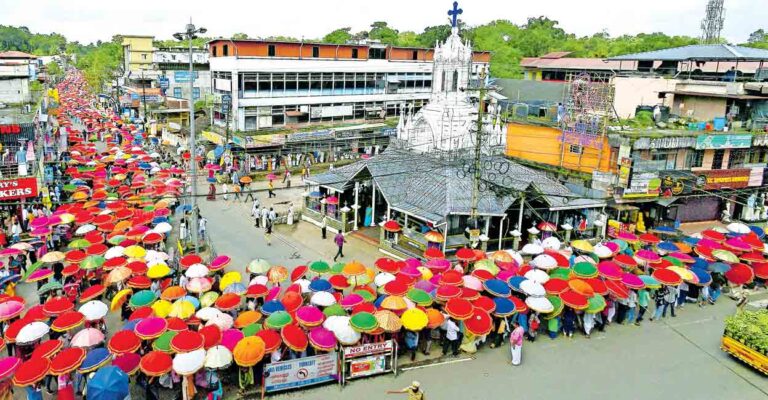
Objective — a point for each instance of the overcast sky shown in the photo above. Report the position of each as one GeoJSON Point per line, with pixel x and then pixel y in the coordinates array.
{"type": "Point", "coordinates": [91, 20]}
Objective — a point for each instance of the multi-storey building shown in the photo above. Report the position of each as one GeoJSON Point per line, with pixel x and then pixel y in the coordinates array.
{"type": "Point", "coordinates": [276, 83]}
{"type": "Point", "coordinates": [17, 70]}
{"type": "Point", "coordinates": [172, 66]}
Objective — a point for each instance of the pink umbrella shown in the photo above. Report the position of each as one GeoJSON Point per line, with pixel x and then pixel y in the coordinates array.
{"type": "Point", "coordinates": [410, 271]}
{"type": "Point", "coordinates": [322, 338]}
{"type": "Point", "coordinates": [230, 337]}
{"type": "Point", "coordinates": [9, 252]}
{"type": "Point", "coordinates": [737, 244]}
{"type": "Point", "coordinates": [709, 243]}
{"type": "Point", "coordinates": [10, 309]}
{"type": "Point", "coordinates": [273, 293]}
{"type": "Point", "coordinates": [310, 316]}
{"type": "Point", "coordinates": [271, 177]}
{"type": "Point", "coordinates": [415, 262]}
{"type": "Point", "coordinates": [41, 231]}
{"type": "Point", "coordinates": [8, 365]}
{"type": "Point", "coordinates": [647, 255]}
{"type": "Point", "coordinates": [351, 300]}
{"type": "Point", "coordinates": [683, 257]}
{"type": "Point", "coordinates": [39, 275]}
{"type": "Point", "coordinates": [472, 282]}
{"type": "Point", "coordinates": [213, 167]}
{"type": "Point", "coordinates": [505, 275]}
{"type": "Point", "coordinates": [150, 328]}
{"type": "Point", "coordinates": [632, 281]}
{"type": "Point", "coordinates": [438, 264]}
{"type": "Point", "coordinates": [87, 337]}
{"type": "Point", "coordinates": [627, 237]}
{"type": "Point", "coordinates": [39, 222]}
{"type": "Point", "coordinates": [426, 286]}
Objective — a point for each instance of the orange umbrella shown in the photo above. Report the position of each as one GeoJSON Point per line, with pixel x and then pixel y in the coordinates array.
{"type": "Point", "coordinates": [277, 274]}
{"type": "Point", "coordinates": [353, 268]}
{"type": "Point", "coordinates": [249, 351]}
{"type": "Point", "coordinates": [172, 293]}
{"type": "Point", "coordinates": [246, 318]}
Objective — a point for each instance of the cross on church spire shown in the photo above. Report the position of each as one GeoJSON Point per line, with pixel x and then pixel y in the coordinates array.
{"type": "Point", "coordinates": [454, 14]}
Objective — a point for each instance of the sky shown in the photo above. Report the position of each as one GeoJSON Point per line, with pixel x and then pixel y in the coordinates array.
{"type": "Point", "coordinates": [90, 20]}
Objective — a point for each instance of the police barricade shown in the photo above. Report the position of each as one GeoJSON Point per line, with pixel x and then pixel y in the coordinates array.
{"type": "Point", "coordinates": [368, 359]}
{"type": "Point", "coordinates": [300, 372]}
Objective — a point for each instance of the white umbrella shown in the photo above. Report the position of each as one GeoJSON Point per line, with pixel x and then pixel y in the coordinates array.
{"type": "Point", "coordinates": [516, 256]}
{"type": "Point", "coordinates": [222, 320]}
{"type": "Point", "coordinates": [258, 266]}
{"type": "Point", "coordinates": [259, 280]}
{"type": "Point", "coordinates": [382, 278]}
{"type": "Point", "coordinates": [155, 155]}
{"type": "Point", "coordinates": [197, 271]}
{"type": "Point", "coordinates": [189, 363]}
{"type": "Point", "coordinates": [163, 227]}
{"type": "Point", "coordinates": [738, 227]}
{"type": "Point", "coordinates": [94, 310]}
{"type": "Point", "coordinates": [85, 229]}
{"type": "Point", "coordinates": [116, 251]}
{"type": "Point", "coordinates": [540, 304]}
{"type": "Point", "coordinates": [304, 284]}
{"type": "Point", "coordinates": [536, 275]}
{"type": "Point", "coordinates": [532, 249]}
{"type": "Point", "coordinates": [31, 332]}
{"type": "Point", "coordinates": [154, 255]}
{"type": "Point", "coordinates": [551, 243]}
{"type": "Point", "coordinates": [218, 357]}
{"type": "Point", "coordinates": [87, 337]}
{"type": "Point", "coordinates": [544, 261]}
{"type": "Point", "coordinates": [206, 313]}
{"type": "Point", "coordinates": [602, 251]}
{"type": "Point", "coordinates": [342, 330]}
{"type": "Point", "coordinates": [532, 288]}
{"type": "Point", "coordinates": [322, 299]}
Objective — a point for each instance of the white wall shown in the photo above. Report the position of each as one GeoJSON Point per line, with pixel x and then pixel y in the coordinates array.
{"type": "Point", "coordinates": [15, 90]}
{"type": "Point", "coordinates": [630, 92]}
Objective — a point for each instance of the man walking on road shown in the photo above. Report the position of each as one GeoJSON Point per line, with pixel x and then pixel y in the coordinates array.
{"type": "Point", "coordinates": [264, 216]}
{"type": "Point", "coordinates": [339, 239]}
{"type": "Point", "coordinates": [256, 212]}
{"type": "Point", "coordinates": [324, 225]}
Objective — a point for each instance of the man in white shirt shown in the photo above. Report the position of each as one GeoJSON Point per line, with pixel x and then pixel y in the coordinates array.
{"type": "Point", "coordinates": [264, 216]}
{"type": "Point", "coordinates": [452, 337]}
{"type": "Point", "coordinates": [201, 224]}
{"type": "Point", "coordinates": [272, 215]}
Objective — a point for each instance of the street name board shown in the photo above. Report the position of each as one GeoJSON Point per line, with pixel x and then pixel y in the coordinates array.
{"type": "Point", "coordinates": [723, 142]}
{"type": "Point", "coordinates": [300, 372]}
{"type": "Point", "coordinates": [368, 349]}
{"type": "Point", "coordinates": [20, 188]}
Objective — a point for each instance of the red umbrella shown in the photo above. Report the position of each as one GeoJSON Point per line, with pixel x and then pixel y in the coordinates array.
{"type": "Point", "coordinates": [92, 293]}
{"type": "Point", "coordinates": [465, 254]}
{"type": "Point", "coordinates": [57, 305]}
{"type": "Point", "coordinates": [387, 265]}
{"type": "Point", "coordinates": [484, 303]}
{"type": "Point", "coordinates": [667, 277]}
{"type": "Point", "coordinates": [433, 252]}
{"type": "Point", "coordinates": [67, 360]}
{"type": "Point", "coordinates": [96, 249]}
{"type": "Point", "coordinates": [141, 313]}
{"type": "Point", "coordinates": [395, 288]}
{"type": "Point", "coordinates": [479, 323]}
{"type": "Point", "coordinates": [469, 294]}
{"type": "Point", "coordinates": [211, 336]}
{"type": "Point", "coordinates": [272, 339]}
{"type": "Point", "coordinates": [339, 281]}
{"type": "Point", "coordinates": [598, 286]}
{"type": "Point", "coordinates": [294, 337]}
{"type": "Point", "coordinates": [256, 291]}
{"type": "Point", "coordinates": [574, 300]}
{"type": "Point", "coordinates": [227, 301]}
{"type": "Point", "coordinates": [128, 362]}
{"type": "Point", "coordinates": [713, 235]}
{"type": "Point", "coordinates": [75, 256]}
{"type": "Point", "coordinates": [299, 272]}
{"type": "Point", "coordinates": [67, 320]}
{"type": "Point", "coordinates": [186, 341]}
{"type": "Point", "coordinates": [482, 274]}
{"type": "Point", "coordinates": [156, 363]}
{"type": "Point", "coordinates": [177, 324]}
{"type": "Point", "coordinates": [555, 286]}
{"type": "Point", "coordinates": [446, 292]}
{"type": "Point", "coordinates": [649, 238]}
{"type": "Point", "coordinates": [31, 371]}
{"type": "Point", "coordinates": [761, 270]}
{"type": "Point", "coordinates": [190, 259]}
{"type": "Point", "coordinates": [617, 289]}
{"type": "Point", "coordinates": [139, 282]}
{"type": "Point", "coordinates": [451, 278]}
{"type": "Point", "coordinates": [392, 226]}
{"type": "Point", "coordinates": [459, 308]}
{"type": "Point", "coordinates": [114, 263]}
{"type": "Point", "coordinates": [47, 349]}
{"type": "Point", "coordinates": [740, 274]}
{"type": "Point", "coordinates": [125, 341]}
{"type": "Point", "coordinates": [625, 261]}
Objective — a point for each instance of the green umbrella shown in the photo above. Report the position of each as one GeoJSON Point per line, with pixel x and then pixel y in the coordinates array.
{"type": "Point", "coordinates": [92, 262]}
{"type": "Point", "coordinates": [69, 188]}
{"type": "Point", "coordinates": [117, 239]}
{"type": "Point", "coordinates": [79, 244]}
{"type": "Point", "coordinates": [337, 268]}
{"type": "Point", "coordinates": [319, 267]}
{"type": "Point", "coordinates": [163, 342]}
{"type": "Point", "coordinates": [208, 298]}
{"type": "Point", "coordinates": [557, 303]}
{"type": "Point", "coordinates": [335, 310]}
{"type": "Point", "coordinates": [420, 297]}
{"type": "Point", "coordinates": [251, 329]}
{"type": "Point", "coordinates": [560, 273]}
{"type": "Point", "coordinates": [51, 285]}
{"type": "Point", "coordinates": [363, 322]}
{"type": "Point", "coordinates": [142, 298]}
{"type": "Point", "coordinates": [32, 268]}
{"type": "Point", "coordinates": [487, 265]}
{"type": "Point", "coordinates": [596, 304]}
{"type": "Point", "coordinates": [725, 255]}
{"type": "Point", "coordinates": [366, 295]}
{"type": "Point", "coordinates": [165, 165]}
{"type": "Point", "coordinates": [674, 261]}
{"type": "Point", "coordinates": [278, 320]}
{"type": "Point", "coordinates": [148, 208]}
{"type": "Point", "coordinates": [258, 266]}
{"type": "Point", "coordinates": [650, 282]}
{"type": "Point", "coordinates": [584, 270]}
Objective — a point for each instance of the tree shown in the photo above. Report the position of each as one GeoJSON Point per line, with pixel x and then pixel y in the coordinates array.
{"type": "Point", "coordinates": [239, 36]}
{"type": "Point", "coordinates": [757, 36]}
{"type": "Point", "coordinates": [338, 36]}
{"type": "Point", "coordinates": [434, 34]}
{"type": "Point", "coordinates": [53, 70]}
{"type": "Point", "coordinates": [408, 39]}
{"type": "Point", "coordinates": [382, 32]}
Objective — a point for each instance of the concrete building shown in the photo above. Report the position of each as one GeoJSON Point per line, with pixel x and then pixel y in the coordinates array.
{"type": "Point", "coordinates": [279, 84]}
{"type": "Point", "coordinates": [171, 66]}
{"type": "Point", "coordinates": [17, 71]}
{"type": "Point", "coordinates": [137, 52]}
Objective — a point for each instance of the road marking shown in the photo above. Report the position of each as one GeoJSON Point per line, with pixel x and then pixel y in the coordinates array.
{"type": "Point", "coordinates": [458, 360]}
{"type": "Point", "coordinates": [694, 322]}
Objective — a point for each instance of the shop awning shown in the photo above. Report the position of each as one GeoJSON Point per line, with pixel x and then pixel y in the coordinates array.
{"type": "Point", "coordinates": [558, 203]}
{"type": "Point", "coordinates": [666, 201]}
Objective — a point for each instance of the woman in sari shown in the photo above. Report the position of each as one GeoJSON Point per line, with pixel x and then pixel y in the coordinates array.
{"type": "Point", "coordinates": [516, 342]}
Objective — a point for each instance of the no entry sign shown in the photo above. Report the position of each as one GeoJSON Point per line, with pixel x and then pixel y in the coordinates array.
{"type": "Point", "coordinates": [20, 188]}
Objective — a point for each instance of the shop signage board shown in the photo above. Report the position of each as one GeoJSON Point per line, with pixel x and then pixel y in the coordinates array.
{"type": "Point", "coordinates": [676, 183]}
{"type": "Point", "coordinates": [301, 372]}
{"type": "Point", "coordinates": [368, 349]}
{"type": "Point", "coordinates": [724, 178]}
{"type": "Point", "coordinates": [20, 188]}
{"type": "Point", "coordinates": [643, 184]}
{"type": "Point", "coordinates": [182, 76]}
{"type": "Point", "coordinates": [213, 137]}
{"type": "Point", "coordinates": [723, 142]}
{"type": "Point", "coordinates": [756, 176]}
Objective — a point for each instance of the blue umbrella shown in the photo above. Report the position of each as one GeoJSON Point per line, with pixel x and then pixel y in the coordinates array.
{"type": "Point", "coordinates": [9, 278]}
{"type": "Point", "coordinates": [378, 301]}
{"type": "Point", "coordinates": [218, 151]}
{"type": "Point", "coordinates": [704, 277]}
{"type": "Point", "coordinates": [497, 287]}
{"type": "Point", "coordinates": [211, 180]}
{"type": "Point", "coordinates": [691, 240]}
{"type": "Point", "coordinates": [514, 282]}
{"type": "Point", "coordinates": [94, 360]}
{"type": "Point", "coordinates": [504, 306]}
{"type": "Point", "coordinates": [130, 325]}
{"type": "Point", "coordinates": [719, 267]}
{"type": "Point", "coordinates": [272, 306]}
{"type": "Point", "coordinates": [760, 232]}
{"type": "Point", "coordinates": [666, 230]}
{"type": "Point", "coordinates": [108, 383]}
{"type": "Point", "coordinates": [320, 285]}
{"type": "Point", "coordinates": [699, 262]}
{"type": "Point", "coordinates": [236, 287]}
{"type": "Point", "coordinates": [158, 220]}
{"type": "Point", "coordinates": [667, 246]}
{"type": "Point", "coordinates": [192, 299]}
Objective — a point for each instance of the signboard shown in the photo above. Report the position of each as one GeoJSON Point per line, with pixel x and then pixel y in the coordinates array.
{"type": "Point", "coordinates": [213, 137]}
{"type": "Point", "coordinates": [643, 184]}
{"type": "Point", "coordinates": [222, 84]}
{"type": "Point", "coordinates": [360, 367]}
{"type": "Point", "coordinates": [226, 103]}
{"type": "Point", "coordinates": [625, 169]}
{"type": "Point", "coordinates": [20, 188]}
{"type": "Point", "coordinates": [315, 135]}
{"type": "Point", "coordinates": [164, 82]}
{"type": "Point", "coordinates": [724, 178]}
{"type": "Point", "coordinates": [676, 183]}
{"type": "Point", "coordinates": [602, 180]}
{"type": "Point", "coordinates": [182, 76]}
{"type": "Point", "coordinates": [723, 142]}
{"type": "Point", "coordinates": [756, 177]}
{"type": "Point", "coordinates": [368, 349]}
{"type": "Point", "coordinates": [331, 111]}
{"type": "Point", "coordinates": [300, 372]}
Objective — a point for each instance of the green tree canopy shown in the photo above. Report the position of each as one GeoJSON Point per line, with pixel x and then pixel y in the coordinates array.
{"type": "Point", "coordinates": [339, 36]}
{"type": "Point", "coordinates": [382, 32]}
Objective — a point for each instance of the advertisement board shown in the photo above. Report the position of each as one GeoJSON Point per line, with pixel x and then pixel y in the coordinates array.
{"type": "Point", "coordinates": [724, 178]}
{"type": "Point", "coordinates": [372, 365]}
{"type": "Point", "coordinates": [676, 183]}
{"type": "Point", "coordinates": [723, 142]}
{"type": "Point", "coordinates": [300, 372]}
{"type": "Point", "coordinates": [19, 188]}
{"type": "Point", "coordinates": [182, 76]}
{"type": "Point", "coordinates": [369, 359]}
{"type": "Point", "coordinates": [643, 184]}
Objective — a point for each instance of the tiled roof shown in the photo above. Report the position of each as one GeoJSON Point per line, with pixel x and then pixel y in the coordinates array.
{"type": "Point", "coordinates": [16, 54]}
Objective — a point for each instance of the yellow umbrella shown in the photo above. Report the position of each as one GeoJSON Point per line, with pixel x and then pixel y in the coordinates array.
{"type": "Point", "coordinates": [66, 218]}
{"type": "Point", "coordinates": [118, 274]}
{"type": "Point", "coordinates": [229, 278]}
{"type": "Point", "coordinates": [582, 245]}
{"type": "Point", "coordinates": [426, 273]}
{"type": "Point", "coordinates": [414, 319]}
{"type": "Point", "coordinates": [79, 196]}
{"type": "Point", "coordinates": [162, 308]}
{"type": "Point", "coordinates": [182, 309]}
{"type": "Point", "coordinates": [158, 271]}
{"type": "Point", "coordinates": [684, 273]}
{"type": "Point", "coordinates": [119, 299]}
{"type": "Point", "coordinates": [135, 251]}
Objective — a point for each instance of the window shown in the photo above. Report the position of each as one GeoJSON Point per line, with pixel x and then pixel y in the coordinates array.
{"type": "Point", "coordinates": [213, 50]}
{"type": "Point", "coordinates": [694, 159]}
{"type": "Point", "coordinates": [377, 54]}
{"type": "Point", "coordinates": [415, 55]}
{"type": "Point", "coordinates": [225, 50]}
{"type": "Point", "coordinates": [455, 82]}
{"type": "Point", "coordinates": [195, 93]}
{"type": "Point", "coordinates": [738, 158]}
{"type": "Point", "coordinates": [575, 149]}
{"type": "Point", "coordinates": [177, 92]}
{"type": "Point", "coordinates": [354, 53]}
{"type": "Point", "coordinates": [315, 52]}
{"type": "Point", "coordinates": [271, 50]}
{"type": "Point", "coordinates": [143, 56]}
{"type": "Point", "coordinates": [717, 159]}
{"type": "Point", "coordinates": [758, 156]}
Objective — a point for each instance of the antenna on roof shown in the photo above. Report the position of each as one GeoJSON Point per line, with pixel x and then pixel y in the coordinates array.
{"type": "Point", "coordinates": [712, 23]}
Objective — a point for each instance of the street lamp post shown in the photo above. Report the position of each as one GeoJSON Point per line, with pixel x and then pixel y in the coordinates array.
{"type": "Point", "coordinates": [189, 34]}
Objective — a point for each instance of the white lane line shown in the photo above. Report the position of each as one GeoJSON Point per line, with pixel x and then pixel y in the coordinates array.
{"type": "Point", "coordinates": [438, 364]}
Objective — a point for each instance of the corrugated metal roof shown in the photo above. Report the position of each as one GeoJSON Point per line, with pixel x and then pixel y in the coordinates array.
{"type": "Point", "coordinates": [576, 63]}
{"type": "Point", "coordinates": [704, 52]}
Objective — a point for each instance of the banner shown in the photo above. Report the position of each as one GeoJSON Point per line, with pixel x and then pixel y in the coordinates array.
{"type": "Point", "coordinates": [300, 372]}
{"type": "Point", "coordinates": [368, 366]}
{"type": "Point", "coordinates": [723, 142]}
{"type": "Point", "coordinates": [724, 178]}
{"type": "Point", "coordinates": [20, 188]}
{"type": "Point", "coordinates": [368, 349]}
